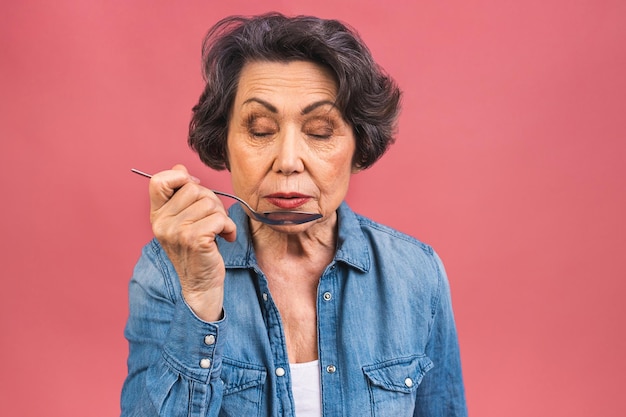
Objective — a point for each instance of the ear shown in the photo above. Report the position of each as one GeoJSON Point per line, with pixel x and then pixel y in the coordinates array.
{"type": "Point", "coordinates": [356, 168]}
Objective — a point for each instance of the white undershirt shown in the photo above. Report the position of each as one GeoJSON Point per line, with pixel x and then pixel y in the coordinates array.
{"type": "Point", "coordinates": [305, 386]}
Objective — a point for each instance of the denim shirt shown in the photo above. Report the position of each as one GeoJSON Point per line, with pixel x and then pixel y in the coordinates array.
{"type": "Point", "coordinates": [387, 341]}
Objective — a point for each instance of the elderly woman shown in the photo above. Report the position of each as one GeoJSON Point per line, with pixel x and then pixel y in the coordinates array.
{"type": "Point", "coordinates": [339, 316]}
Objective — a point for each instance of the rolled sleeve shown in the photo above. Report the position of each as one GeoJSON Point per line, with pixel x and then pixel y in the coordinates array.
{"type": "Point", "coordinates": [174, 360]}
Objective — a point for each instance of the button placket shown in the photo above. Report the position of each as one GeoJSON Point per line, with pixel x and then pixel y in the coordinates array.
{"type": "Point", "coordinates": [329, 291]}
{"type": "Point", "coordinates": [276, 338]}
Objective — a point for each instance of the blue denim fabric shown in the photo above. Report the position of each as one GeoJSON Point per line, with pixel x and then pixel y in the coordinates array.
{"type": "Point", "coordinates": [386, 335]}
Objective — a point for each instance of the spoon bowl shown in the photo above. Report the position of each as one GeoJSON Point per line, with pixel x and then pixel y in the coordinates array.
{"type": "Point", "coordinates": [275, 218]}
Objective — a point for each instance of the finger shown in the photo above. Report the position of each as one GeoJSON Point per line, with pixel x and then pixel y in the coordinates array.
{"type": "Point", "coordinates": [164, 184]}
{"type": "Point", "coordinates": [203, 201]}
{"type": "Point", "coordinates": [181, 167]}
{"type": "Point", "coordinates": [193, 228]}
{"type": "Point", "coordinates": [190, 204]}
{"type": "Point", "coordinates": [229, 232]}
{"type": "Point", "coordinates": [205, 231]}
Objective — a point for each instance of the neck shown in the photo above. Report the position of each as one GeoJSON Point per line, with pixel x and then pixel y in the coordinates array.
{"type": "Point", "coordinates": [277, 248]}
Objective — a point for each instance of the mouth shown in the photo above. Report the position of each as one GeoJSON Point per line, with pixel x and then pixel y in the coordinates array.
{"type": "Point", "coordinates": [287, 201]}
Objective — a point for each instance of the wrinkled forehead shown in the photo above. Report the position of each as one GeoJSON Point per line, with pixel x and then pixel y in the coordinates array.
{"type": "Point", "coordinates": [278, 84]}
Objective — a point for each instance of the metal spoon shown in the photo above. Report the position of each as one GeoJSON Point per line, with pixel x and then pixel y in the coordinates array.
{"type": "Point", "coordinates": [276, 218]}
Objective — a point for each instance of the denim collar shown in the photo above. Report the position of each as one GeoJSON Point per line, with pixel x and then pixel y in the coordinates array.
{"type": "Point", "coordinates": [352, 248]}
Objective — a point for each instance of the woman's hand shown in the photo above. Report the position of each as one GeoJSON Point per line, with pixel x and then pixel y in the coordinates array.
{"type": "Point", "coordinates": [186, 219]}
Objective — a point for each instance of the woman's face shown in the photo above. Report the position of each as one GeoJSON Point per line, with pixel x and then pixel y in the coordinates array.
{"type": "Point", "coordinates": [289, 147]}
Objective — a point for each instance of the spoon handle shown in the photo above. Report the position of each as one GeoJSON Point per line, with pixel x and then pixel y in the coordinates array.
{"type": "Point", "coordinates": [222, 193]}
{"type": "Point", "coordinates": [145, 174]}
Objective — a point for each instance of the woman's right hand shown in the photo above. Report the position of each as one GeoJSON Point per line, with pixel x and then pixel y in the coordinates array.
{"type": "Point", "coordinates": [186, 219]}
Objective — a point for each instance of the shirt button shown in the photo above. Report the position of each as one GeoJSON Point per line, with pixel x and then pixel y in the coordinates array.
{"type": "Point", "coordinates": [209, 339]}
{"type": "Point", "coordinates": [331, 369]}
{"type": "Point", "coordinates": [327, 296]}
{"type": "Point", "coordinates": [264, 296]}
{"type": "Point", "coordinates": [205, 363]}
{"type": "Point", "coordinates": [280, 372]}
{"type": "Point", "coordinates": [408, 382]}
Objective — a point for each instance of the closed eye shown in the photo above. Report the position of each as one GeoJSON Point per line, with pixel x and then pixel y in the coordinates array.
{"type": "Point", "coordinates": [319, 128]}
{"type": "Point", "coordinates": [261, 134]}
{"type": "Point", "coordinates": [261, 126]}
{"type": "Point", "coordinates": [320, 136]}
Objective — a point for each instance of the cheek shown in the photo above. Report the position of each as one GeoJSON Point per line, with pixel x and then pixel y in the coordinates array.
{"type": "Point", "coordinates": [344, 162]}
{"type": "Point", "coordinates": [243, 171]}
{"type": "Point", "coordinates": [339, 170]}
{"type": "Point", "coordinates": [239, 157]}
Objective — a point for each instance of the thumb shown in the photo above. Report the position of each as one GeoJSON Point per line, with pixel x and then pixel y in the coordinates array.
{"type": "Point", "coordinates": [164, 184]}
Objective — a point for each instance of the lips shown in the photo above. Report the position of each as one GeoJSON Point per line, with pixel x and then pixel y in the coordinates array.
{"type": "Point", "coordinates": [287, 201]}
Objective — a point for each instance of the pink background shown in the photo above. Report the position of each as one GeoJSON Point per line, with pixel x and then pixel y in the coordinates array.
{"type": "Point", "coordinates": [511, 161]}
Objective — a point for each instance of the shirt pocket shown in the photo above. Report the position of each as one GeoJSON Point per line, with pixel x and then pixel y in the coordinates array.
{"type": "Point", "coordinates": [243, 388]}
{"type": "Point", "coordinates": [393, 384]}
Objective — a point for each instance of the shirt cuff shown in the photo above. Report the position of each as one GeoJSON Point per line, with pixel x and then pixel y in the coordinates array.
{"type": "Point", "coordinates": [194, 347]}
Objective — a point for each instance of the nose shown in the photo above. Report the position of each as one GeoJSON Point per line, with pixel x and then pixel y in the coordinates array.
{"type": "Point", "coordinates": [289, 152]}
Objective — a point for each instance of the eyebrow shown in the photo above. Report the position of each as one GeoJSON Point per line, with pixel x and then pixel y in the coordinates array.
{"type": "Point", "coordinates": [308, 109]}
{"type": "Point", "coordinates": [313, 106]}
{"type": "Point", "coordinates": [264, 103]}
